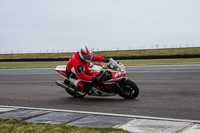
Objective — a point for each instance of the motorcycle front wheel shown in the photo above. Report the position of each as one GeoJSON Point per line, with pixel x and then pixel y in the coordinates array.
{"type": "Point", "coordinates": [127, 89]}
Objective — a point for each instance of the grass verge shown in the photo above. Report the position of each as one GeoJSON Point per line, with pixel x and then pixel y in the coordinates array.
{"type": "Point", "coordinates": [145, 52]}
{"type": "Point", "coordinates": [181, 61]}
{"type": "Point", "coordinates": [16, 126]}
{"type": "Point", "coordinates": [53, 64]}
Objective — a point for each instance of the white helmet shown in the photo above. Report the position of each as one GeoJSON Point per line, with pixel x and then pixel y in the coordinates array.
{"type": "Point", "coordinates": [86, 54]}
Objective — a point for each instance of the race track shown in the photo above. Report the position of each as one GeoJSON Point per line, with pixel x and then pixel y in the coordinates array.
{"type": "Point", "coordinates": [165, 91]}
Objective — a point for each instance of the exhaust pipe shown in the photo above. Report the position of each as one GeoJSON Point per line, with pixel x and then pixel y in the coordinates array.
{"type": "Point", "coordinates": [61, 84]}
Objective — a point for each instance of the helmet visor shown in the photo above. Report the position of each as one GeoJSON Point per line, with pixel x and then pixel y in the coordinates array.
{"type": "Point", "coordinates": [87, 57]}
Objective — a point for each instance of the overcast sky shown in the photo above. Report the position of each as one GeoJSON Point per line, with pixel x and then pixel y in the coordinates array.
{"type": "Point", "coordinates": [66, 25]}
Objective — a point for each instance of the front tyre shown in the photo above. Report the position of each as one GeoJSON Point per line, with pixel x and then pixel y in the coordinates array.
{"type": "Point", "coordinates": [127, 89]}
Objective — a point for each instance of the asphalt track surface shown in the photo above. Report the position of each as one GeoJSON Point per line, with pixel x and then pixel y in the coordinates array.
{"type": "Point", "coordinates": [165, 91]}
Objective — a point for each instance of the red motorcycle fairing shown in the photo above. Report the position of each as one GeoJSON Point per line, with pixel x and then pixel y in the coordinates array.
{"type": "Point", "coordinates": [61, 70]}
{"type": "Point", "coordinates": [107, 86]}
{"type": "Point", "coordinates": [123, 67]}
{"type": "Point", "coordinates": [117, 75]}
{"type": "Point", "coordinates": [95, 70]}
{"type": "Point", "coordinates": [113, 83]}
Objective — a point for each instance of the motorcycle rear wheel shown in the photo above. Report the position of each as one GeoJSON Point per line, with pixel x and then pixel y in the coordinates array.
{"type": "Point", "coordinates": [72, 93]}
{"type": "Point", "coordinates": [128, 89]}
{"type": "Point", "coordinates": [75, 94]}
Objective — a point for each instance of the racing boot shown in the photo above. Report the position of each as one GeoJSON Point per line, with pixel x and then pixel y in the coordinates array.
{"type": "Point", "coordinates": [78, 88]}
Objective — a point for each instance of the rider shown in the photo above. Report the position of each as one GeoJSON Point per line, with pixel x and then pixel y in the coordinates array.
{"type": "Point", "coordinates": [78, 65]}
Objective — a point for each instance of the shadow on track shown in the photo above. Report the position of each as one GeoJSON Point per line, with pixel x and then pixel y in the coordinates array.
{"type": "Point", "coordinates": [90, 99]}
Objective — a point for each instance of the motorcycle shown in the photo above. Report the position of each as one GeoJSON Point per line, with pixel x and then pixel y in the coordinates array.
{"type": "Point", "coordinates": [113, 81]}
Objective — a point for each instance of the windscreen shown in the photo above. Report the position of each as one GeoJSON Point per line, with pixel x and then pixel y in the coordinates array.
{"type": "Point", "coordinates": [114, 66]}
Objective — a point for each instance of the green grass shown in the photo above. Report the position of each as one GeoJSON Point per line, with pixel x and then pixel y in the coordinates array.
{"type": "Point", "coordinates": [35, 55]}
{"type": "Point", "coordinates": [146, 52]}
{"type": "Point", "coordinates": [16, 126]}
{"type": "Point", "coordinates": [161, 62]}
{"type": "Point", "coordinates": [53, 64]}
{"type": "Point", "coordinates": [37, 64]}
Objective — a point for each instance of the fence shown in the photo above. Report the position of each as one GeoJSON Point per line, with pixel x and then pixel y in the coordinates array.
{"type": "Point", "coordinates": [101, 49]}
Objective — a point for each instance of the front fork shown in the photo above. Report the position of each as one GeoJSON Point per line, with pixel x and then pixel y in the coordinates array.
{"type": "Point", "coordinates": [121, 81]}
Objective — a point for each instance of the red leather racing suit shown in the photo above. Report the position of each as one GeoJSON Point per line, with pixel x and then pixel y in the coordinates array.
{"type": "Point", "coordinates": [77, 69]}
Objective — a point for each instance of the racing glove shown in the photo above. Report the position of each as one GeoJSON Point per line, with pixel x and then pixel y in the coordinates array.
{"type": "Point", "coordinates": [107, 59]}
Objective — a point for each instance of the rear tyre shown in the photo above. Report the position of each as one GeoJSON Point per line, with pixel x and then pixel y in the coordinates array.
{"type": "Point", "coordinates": [73, 93]}
{"type": "Point", "coordinates": [127, 89]}
{"type": "Point", "coordinates": [76, 94]}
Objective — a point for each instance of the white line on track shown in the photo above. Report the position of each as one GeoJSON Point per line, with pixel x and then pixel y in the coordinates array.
{"type": "Point", "coordinates": [105, 114]}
